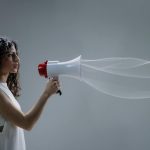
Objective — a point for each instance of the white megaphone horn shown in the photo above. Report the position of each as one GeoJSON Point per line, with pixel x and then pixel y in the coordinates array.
{"type": "Point", "coordinates": [71, 68]}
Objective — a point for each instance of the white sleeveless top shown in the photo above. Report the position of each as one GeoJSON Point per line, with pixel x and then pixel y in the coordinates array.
{"type": "Point", "coordinates": [11, 137]}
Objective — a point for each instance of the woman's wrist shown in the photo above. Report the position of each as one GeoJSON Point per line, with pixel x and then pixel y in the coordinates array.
{"type": "Point", "coordinates": [46, 94]}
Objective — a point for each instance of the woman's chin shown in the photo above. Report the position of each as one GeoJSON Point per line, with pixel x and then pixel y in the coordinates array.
{"type": "Point", "coordinates": [14, 71]}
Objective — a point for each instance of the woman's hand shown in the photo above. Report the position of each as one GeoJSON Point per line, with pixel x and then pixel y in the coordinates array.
{"type": "Point", "coordinates": [52, 86]}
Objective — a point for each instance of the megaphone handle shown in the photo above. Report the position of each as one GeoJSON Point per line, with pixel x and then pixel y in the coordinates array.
{"type": "Point", "coordinates": [59, 92]}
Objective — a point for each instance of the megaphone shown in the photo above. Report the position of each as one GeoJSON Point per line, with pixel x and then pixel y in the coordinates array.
{"type": "Point", "coordinates": [71, 68]}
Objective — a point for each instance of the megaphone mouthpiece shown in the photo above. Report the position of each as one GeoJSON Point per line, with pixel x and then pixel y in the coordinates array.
{"type": "Point", "coordinates": [42, 68]}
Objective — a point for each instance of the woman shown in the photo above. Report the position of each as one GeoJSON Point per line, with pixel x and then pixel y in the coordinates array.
{"type": "Point", "coordinates": [12, 120]}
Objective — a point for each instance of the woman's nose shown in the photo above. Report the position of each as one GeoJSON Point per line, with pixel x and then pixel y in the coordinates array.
{"type": "Point", "coordinates": [17, 59]}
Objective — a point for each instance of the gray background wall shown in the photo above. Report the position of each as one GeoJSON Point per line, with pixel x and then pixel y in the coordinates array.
{"type": "Point", "coordinates": [82, 118]}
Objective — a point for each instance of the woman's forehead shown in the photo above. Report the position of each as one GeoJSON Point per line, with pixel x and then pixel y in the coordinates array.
{"type": "Point", "coordinates": [13, 49]}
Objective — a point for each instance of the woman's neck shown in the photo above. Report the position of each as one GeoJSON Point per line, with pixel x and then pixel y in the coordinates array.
{"type": "Point", "coordinates": [3, 78]}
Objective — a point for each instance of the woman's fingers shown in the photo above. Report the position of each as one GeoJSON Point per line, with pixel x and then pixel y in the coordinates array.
{"type": "Point", "coordinates": [53, 85]}
{"type": "Point", "coordinates": [55, 78]}
{"type": "Point", "coordinates": [57, 84]}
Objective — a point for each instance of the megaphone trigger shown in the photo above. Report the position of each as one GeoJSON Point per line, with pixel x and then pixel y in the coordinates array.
{"type": "Point", "coordinates": [59, 92]}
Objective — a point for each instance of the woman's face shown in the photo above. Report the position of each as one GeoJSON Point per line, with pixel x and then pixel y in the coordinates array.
{"type": "Point", "coordinates": [10, 63]}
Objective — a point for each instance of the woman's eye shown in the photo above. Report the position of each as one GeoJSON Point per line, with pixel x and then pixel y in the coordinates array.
{"type": "Point", "coordinates": [13, 55]}
{"type": "Point", "coordinates": [9, 55]}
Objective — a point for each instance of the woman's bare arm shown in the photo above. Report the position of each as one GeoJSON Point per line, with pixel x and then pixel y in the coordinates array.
{"type": "Point", "coordinates": [26, 120]}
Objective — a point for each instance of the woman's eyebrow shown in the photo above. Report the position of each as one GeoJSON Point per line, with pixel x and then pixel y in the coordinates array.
{"type": "Point", "coordinates": [13, 52]}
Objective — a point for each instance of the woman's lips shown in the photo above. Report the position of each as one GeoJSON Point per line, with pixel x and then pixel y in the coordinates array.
{"type": "Point", "coordinates": [15, 65]}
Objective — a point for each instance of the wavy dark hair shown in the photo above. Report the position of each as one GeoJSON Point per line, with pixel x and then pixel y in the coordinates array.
{"type": "Point", "coordinates": [13, 78]}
